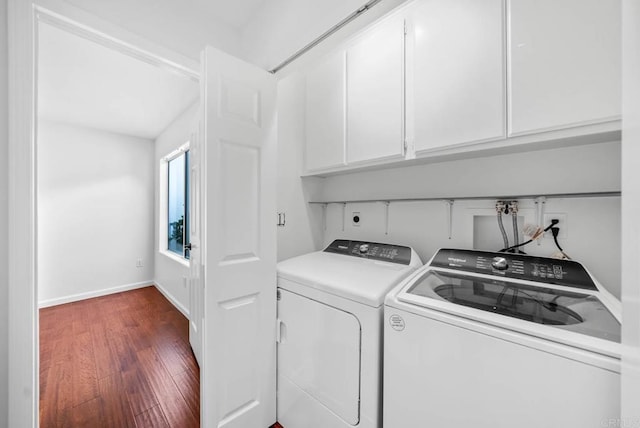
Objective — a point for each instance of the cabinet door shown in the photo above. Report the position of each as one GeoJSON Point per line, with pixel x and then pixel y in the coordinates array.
{"type": "Point", "coordinates": [565, 63]}
{"type": "Point", "coordinates": [375, 93]}
{"type": "Point", "coordinates": [325, 114]}
{"type": "Point", "coordinates": [456, 72]}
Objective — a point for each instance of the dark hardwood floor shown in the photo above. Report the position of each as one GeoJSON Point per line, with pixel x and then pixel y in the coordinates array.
{"type": "Point", "coordinates": [121, 360]}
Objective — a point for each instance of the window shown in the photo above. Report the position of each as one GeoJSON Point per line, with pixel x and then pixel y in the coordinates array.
{"type": "Point", "coordinates": [178, 204]}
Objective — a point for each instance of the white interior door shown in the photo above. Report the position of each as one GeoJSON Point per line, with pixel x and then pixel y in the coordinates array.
{"type": "Point", "coordinates": [196, 291]}
{"type": "Point", "coordinates": [239, 359]}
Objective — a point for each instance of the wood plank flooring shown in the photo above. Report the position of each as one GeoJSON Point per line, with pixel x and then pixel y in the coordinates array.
{"type": "Point", "coordinates": [121, 360]}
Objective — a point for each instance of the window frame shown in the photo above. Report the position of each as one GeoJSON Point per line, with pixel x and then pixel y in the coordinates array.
{"type": "Point", "coordinates": [163, 235]}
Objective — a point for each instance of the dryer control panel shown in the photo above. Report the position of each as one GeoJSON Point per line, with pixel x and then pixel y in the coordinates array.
{"type": "Point", "coordinates": [539, 269]}
{"type": "Point", "coordinates": [371, 250]}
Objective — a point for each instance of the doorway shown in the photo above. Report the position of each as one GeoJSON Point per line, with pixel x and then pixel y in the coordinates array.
{"type": "Point", "coordinates": [106, 116]}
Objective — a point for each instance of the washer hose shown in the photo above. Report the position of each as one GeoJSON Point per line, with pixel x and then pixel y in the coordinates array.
{"type": "Point", "coordinates": [516, 239]}
{"type": "Point", "coordinates": [502, 231]}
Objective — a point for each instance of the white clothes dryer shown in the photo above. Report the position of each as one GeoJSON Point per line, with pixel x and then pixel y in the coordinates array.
{"type": "Point", "coordinates": [330, 311]}
{"type": "Point", "coordinates": [495, 340]}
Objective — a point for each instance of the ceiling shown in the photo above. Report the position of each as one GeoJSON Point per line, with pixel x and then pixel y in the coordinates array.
{"type": "Point", "coordinates": [235, 13]}
{"type": "Point", "coordinates": [84, 83]}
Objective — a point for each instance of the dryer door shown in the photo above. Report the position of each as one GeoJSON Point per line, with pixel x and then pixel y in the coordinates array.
{"type": "Point", "coordinates": [319, 352]}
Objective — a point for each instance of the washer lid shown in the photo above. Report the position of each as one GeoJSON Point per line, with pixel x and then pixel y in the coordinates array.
{"type": "Point", "coordinates": [362, 280]}
{"type": "Point", "coordinates": [581, 312]}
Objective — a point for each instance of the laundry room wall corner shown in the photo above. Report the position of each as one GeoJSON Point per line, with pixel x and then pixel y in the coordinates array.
{"type": "Point", "coordinates": [302, 230]}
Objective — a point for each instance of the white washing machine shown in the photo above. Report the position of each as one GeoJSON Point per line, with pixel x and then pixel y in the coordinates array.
{"type": "Point", "coordinates": [330, 313]}
{"type": "Point", "coordinates": [494, 340]}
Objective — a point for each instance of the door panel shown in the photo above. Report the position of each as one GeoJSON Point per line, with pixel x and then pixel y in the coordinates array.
{"type": "Point", "coordinates": [240, 289]}
{"type": "Point", "coordinates": [239, 102]}
{"type": "Point", "coordinates": [240, 177]}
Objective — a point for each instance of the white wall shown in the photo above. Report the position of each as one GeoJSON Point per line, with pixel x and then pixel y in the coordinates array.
{"type": "Point", "coordinates": [169, 273]}
{"type": "Point", "coordinates": [630, 209]}
{"type": "Point", "coordinates": [4, 281]}
{"type": "Point", "coordinates": [593, 229]}
{"type": "Point", "coordinates": [95, 211]}
{"type": "Point", "coordinates": [593, 224]}
{"type": "Point", "coordinates": [302, 232]}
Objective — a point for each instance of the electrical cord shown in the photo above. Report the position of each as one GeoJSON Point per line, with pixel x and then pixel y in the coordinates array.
{"type": "Point", "coordinates": [546, 229]}
{"type": "Point", "coordinates": [555, 231]}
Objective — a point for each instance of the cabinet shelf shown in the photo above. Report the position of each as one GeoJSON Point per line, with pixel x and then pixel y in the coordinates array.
{"type": "Point", "coordinates": [607, 194]}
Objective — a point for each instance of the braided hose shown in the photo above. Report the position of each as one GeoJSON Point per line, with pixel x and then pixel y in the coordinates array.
{"type": "Point", "coordinates": [516, 238]}
{"type": "Point", "coordinates": [502, 231]}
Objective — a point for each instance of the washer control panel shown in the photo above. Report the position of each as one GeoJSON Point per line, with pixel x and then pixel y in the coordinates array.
{"type": "Point", "coordinates": [371, 250]}
{"type": "Point", "coordinates": [539, 269]}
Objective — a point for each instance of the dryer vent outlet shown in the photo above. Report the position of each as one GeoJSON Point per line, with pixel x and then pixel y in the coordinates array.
{"type": "Point", "coordinates": [356, 219]}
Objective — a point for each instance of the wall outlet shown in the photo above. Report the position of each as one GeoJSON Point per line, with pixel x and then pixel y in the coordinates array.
{"type": "Point", "coordinates": [139, 263]}
{"type": "Point", "coordinates": [562, 225]}
{"type": "Point", "coordinates": [356, 219]}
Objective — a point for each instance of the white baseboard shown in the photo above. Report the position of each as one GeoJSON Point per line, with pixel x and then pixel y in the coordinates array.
{"type": "Point", "coordinates": [98, 293]}
{"type": "Point", "coordinates": [179, 306]}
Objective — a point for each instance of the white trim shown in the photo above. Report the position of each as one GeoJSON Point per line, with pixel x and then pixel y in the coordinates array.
{"type": "Point", "coordinates": [600, 121]}
{"type": "Point", "coordinates": [23, 368]}
{"type": "Point", "coordinates": [177, 152]}
{"type": "Point", "coordinates": [176, 258]}
{"type": "Point", "coordinates": [179, 306]}
{"type": "Point", "coordinates": [92, 294]}
{"type": "Point", "coordinates": [75, 20]}
{"type": "Point", "coordinates": [163, 203]}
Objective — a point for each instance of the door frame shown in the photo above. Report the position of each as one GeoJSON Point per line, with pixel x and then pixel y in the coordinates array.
{"type": "Point", "coordinates": [23, 19]}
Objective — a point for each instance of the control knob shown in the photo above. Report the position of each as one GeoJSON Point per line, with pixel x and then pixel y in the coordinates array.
{"type": "Point", "coordinates": [499, 263]}
{"type": "Point", "coordinates": [364, 248]}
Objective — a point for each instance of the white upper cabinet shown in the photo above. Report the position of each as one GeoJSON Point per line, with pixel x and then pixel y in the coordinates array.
{"type": "Point", "coordinates": [325, 113]}
{"type": "Point", "coordinates": [565, 63]}
{"type": "Point", "coordinates": [455, 72]}
{"type": "Point", "coordinates": [375, 93]}
{"type": "Point", "coordinates": [450, 76]}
